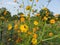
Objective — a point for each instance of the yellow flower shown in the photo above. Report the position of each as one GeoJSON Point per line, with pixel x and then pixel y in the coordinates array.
{"type": "Point", "coordinates": [52, 21]}
{"type": "Point", "coordinates": [50, 34]}
{"type": "Point", "coordinates": [46, 12]}
{"type": "Point", "coordinates": [15, 26]}
{"type": "Point", "coordinates": [37, 0]}
{"type": "Point", "coordinates": [22, 19]}
{"type": "Point", "coordinates": [35, 22]}
{"type": "Point", "coordinates": [5, 12]}
{"type": "Point", "coordinates": [35, 29]}
{"type": "Point", "coordinates": [28, 7]}
{"type": "Point", "coordinates": [34, 41]}
{"type": "Point", "coordinates": [24, 28]}
{"type": "Point", "coordinates": [29, 33]}
{"type": "Point", "coordinates": [37, 14]}
{"type": "Point", "coordinates": [35, 35]}
{"type": "Point", "coordinates": [21, 15]}
{"type": "Point", "coordinates": [45, 18]}
{"type": "Point", "coordinates": [18, 40]}
{"type": "Point", "coordinates": [9, 26]}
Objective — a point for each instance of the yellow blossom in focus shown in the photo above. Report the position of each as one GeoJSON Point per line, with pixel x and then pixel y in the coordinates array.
{"type": "Point", "coordinates": [9, 26]}
{"type": "Point", "coordinates": [34, 41]}
{"type": "Point", "coordinates": [35, 22]}
{"type": "Point", "coordinates": [52, 21]}
{"type": "Point", "coordinates": [28, 7]}
{"type": "Point", "coordinates": [24, 28]}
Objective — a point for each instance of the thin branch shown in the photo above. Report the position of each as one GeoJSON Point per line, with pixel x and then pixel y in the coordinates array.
{"type": "Point", "coordinates": [51, 38]}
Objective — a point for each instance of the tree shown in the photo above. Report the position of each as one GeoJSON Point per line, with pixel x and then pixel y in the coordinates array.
{"type": "Point", "coordinates": [46, 14]}
{"type": "Point", "coordinates": [4, 13]}
{"type": "Point", "coordinates": [15, 17]}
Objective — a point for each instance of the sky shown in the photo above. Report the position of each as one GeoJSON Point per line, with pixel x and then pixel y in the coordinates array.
{"type": "Point", "coordinates": [13, 7]}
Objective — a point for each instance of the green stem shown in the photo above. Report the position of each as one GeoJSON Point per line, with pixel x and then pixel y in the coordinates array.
{"type": "Point", "coordinates": [23, 6]}
{"type": "Point", "coordinates": [41, 38]}
{"type": "Point", "coordinates": [43, 30]}
{"type": "Point", "coordinates": [31, 7]}
{"type": "Point", "coordinates": [51, 37]}
{"type": "Point", "coordinates": [30, 11]}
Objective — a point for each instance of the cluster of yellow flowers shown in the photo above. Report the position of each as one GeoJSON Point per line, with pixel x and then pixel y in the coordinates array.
{"type": "Point", "coordinates": [24, 28]}
{"type": "Point", "coordinates": [34, 39]}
